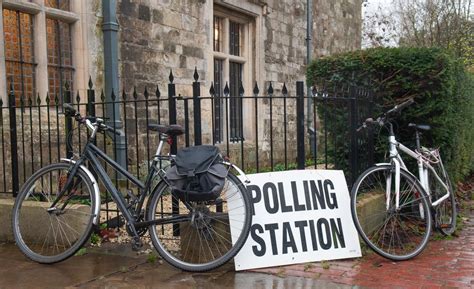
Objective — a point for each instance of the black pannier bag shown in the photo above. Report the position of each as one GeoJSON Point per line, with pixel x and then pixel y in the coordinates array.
{"type": "Point", "coordinates": [197, 174]}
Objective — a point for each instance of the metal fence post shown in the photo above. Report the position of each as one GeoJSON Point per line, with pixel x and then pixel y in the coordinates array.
{"type": "Point", "coordinates": [90, 99]}
{"type": "Point", "coordinates": [172, 109]}
{"type": "Point", "coordinates": [197, 109]}
{"type": "Point", "coordinates": [68, 121]}
{"type": "Point", "coordinates": [300, 119]}
{"type": "Point", "coordinates": [13, 140]}
{"type": "Point", "coordinates": [353, 137]}
{"type": "Point", "coordinates": [174, 147]}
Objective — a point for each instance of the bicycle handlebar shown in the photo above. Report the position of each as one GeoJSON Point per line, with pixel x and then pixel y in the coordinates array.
{"type": "Point", "coordinates": [400, 107]}
{"type": "Point", "coordinates": [90, 122]}
{"type": "Point", "coordinates": [382, 119]}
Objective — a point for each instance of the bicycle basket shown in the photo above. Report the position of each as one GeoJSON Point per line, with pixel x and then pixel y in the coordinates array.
{"type": "Point", "coordinates": [197, 174]}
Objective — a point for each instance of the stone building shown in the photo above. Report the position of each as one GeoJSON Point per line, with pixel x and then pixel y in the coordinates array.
{"type": "Point", "coordinates": [48, 42]}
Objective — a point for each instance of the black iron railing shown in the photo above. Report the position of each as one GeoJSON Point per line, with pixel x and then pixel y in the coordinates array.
{"type": "Point", "coordinates": [273, 129]}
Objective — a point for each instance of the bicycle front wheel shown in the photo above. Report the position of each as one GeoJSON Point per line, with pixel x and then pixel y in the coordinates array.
{"type": "Point", "coordinates": [200, 236]}
{"type": "Point", "coordinates": [46, 233]}
{"type": "Point", "coordinates": [394, 233]}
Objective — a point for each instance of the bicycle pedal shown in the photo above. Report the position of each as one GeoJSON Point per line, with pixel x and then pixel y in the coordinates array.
{"type": "Point", "coordinates": [137, 244]}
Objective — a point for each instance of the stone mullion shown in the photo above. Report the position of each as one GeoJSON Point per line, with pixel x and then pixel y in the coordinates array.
{"type": "Point", "coordinates": [41, 51]}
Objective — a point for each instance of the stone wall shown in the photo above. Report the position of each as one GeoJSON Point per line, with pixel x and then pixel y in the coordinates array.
{"type": "Point", "coordinates": [160, 35]}
{"type": "Point", "coordinates": [337, 26]}
{"type": "Point", "coordinates": [157, 36]}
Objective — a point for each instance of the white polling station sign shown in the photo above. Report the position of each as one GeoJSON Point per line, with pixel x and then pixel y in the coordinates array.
{"type": "Point", "coordinates": [299, 216]}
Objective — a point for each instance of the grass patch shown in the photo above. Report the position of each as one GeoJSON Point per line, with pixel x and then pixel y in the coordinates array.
{"type": "Point", "coordinates": [152, 258]}
{"type": "Point", "coordinates": [325, 265]}
{"type": "Point", "coordinates": [307, 267]}
{"type": "Point", "coordinates": [81, 252]}
{"type": "Point", "coordinates": [95, 239]}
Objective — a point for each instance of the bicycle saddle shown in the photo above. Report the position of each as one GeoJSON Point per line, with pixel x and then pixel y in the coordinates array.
{"type": "Point", "coordinates": [419, 126]}
{"type": "Point", "coordinates": [171, 130]}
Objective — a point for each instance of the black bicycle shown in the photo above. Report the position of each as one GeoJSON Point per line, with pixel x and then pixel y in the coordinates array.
{"type": "Point", "coordinates": [59, 205]}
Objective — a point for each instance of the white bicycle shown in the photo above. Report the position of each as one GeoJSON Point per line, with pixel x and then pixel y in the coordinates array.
{"type": "Point", "coordinates": [393, 210]}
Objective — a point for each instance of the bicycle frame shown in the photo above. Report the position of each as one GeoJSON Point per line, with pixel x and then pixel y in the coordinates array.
{"type": "Point", "coordinates": [423, 169]}
{"type": "Point", "coordinates": [92, 154]}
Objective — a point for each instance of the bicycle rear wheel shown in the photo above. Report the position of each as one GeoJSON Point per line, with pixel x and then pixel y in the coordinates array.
{"type": "Point", "coordinates": [445, 212]}
{"type": "Point", "coordinates": [396, 234]}
{"type": "Point", "coordinates": [200, 236]}
{"type": "Point", "coordinates": [48, 234]}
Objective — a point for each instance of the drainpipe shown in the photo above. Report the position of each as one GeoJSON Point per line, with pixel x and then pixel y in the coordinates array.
{"type": "Point", "coordinates": [110, 29]}
{"type": "Point", "coordinates": [309, 56]}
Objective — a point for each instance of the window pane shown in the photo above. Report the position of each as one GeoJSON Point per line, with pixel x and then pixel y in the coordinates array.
{"type": "Point", "coordinates": [217, 33]}
{"type": "Point", "coordinates": [19, 52]}
{"type": "Point", "coordinates": [235, 79]}
{"type": "Point", "coordinates": [234, 38]}
{"type": "Point", "coordinates": [58, 4]}
{"type": "Point", "coordinates": [60, 69]}
{"type": "Point", "coordinates": [218, 101]}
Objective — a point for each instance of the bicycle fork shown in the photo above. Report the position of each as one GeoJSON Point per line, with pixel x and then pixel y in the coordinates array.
{"type": "Point", "coordinates": [396, 166]}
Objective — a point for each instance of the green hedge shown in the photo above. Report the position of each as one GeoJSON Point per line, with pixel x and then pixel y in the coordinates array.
{"type": "Point", "coordinates": [442, 88]}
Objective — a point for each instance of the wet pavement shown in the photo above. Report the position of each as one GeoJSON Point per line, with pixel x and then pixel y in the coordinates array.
{"type": "Point", "coordinates": [117, 266]}
{"type": "Point", "coordinates": [445, 263]}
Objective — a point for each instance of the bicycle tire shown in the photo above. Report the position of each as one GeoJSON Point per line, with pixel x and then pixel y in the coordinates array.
{"type": "Point", "coordinates": [69, 227]}
{"type": "Point", "coordinates": [446, 211]}
{"type": "Point", "coordinates": [410, 225]}
{"type": "Point", "coordinates": [200, 243]}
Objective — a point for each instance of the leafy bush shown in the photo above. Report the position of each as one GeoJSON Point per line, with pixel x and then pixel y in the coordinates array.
{"type": "Point", "coordinates": [439, 83]}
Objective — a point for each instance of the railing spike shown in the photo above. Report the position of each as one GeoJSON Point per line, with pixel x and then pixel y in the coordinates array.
{"type": "Point", "coordinates": [124, 95]}
{"type": "Point", "coordinates": [284, 90]}
{"type": "Point", "coordinates": [78, 98]}
{"type": "Point", "coordinates": [112, 95]}
{"type": "Point", "coordinates": [11, 86]}
{"type": "Point", "coordinates": [66, 85]}
{"type": "Point", "coordinates": [38, 99]}
{"type": "Point", "coordinates": [30, 101]}
{"type": "Point", "coordinates": [56, 100]}
{"type": "Point", "coordinates": [270, 89]}
{"type": "Point", "coordinates": [212, 91]}
{"type": "Point", "coordinates": [145, 93]}
{"type": "Point", "coordinates": [314, 91]}
{"type": "Point", "coordinates": [226, 89]}
{"type": "Point", "coordinates": [241, 89]}
{"type": "Point", "coordinates": [255, 89]}
{"type": "Point", "coordinates": [1, 103]}
{"type": "Point", "coordinates": [135, 94]}
{"type": "Point", "coordinates": [171, 77]}
{"type": "Point", "coordinates": [22, 100]}
{"type": "Point", "coordinates": [195, 75]}
{"type": "Point", "coordinates": [157, 92]}
{"type": "Point", "coordinates": [102, 96]}
{"type": "Point", "coordinates": [90, 82]}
